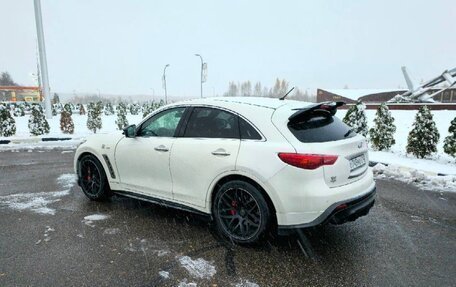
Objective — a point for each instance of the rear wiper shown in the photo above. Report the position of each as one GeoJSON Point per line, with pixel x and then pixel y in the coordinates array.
{"type": "Point", "coordinates": [348, 133]}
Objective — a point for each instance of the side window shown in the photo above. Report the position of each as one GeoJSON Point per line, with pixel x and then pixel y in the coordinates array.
{"type": "Point", "coordinates": [212, 123]}
{"type": "Point", "coordinates": [163, 124]}
{"type": "Point", "coordinates": [247, 131]}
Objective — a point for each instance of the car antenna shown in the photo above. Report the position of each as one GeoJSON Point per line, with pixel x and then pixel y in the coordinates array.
{"type": "Point", "coordinates": [283, 98]}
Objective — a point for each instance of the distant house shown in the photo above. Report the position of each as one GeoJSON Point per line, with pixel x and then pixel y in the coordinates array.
{"type": "Point", "coordinates": [20, 94]}
{"type": "Point", "coordinates": [376, 95]}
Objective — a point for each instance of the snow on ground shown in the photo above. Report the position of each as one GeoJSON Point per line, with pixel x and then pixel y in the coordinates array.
{"type": "Point", "coordinates": [246, 283]}
{"type": "Point", "coordinates": [198, 268]}
{"type": "Point", "coordinates": [89, 219]}
{"type": "Point", "coordinates": [38, 201]}
{"type": "Point", "coordinates": [416, 177]}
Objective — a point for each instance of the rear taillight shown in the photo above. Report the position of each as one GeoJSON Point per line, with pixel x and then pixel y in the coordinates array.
{"type": "Point", "coordinates": [307, 161]}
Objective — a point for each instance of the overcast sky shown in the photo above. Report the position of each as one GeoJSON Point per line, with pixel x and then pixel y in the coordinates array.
{"type": "Point", "coordinates": [121, 47]}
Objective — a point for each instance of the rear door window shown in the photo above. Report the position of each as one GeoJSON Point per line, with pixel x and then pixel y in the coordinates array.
{"type": "Point", "coordinates": [212, 123]}
{"type": "Point", "coordinates": [321, 128]}
{"type": "Point", "coordinates": [247, 131]}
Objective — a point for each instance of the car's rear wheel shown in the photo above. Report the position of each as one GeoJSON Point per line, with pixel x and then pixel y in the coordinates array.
{"type": "Point", "coordinates": [93, 179]}
{"type": "Point", "coordinates": [240, 211]}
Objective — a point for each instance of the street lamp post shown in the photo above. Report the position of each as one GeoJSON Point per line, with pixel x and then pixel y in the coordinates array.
{"type": "Point", "coordinates": [43, 62]}
{"type": "Point", "coordinates": [164, 83]}
{"type": "Point", "coordinates": [202, 67]}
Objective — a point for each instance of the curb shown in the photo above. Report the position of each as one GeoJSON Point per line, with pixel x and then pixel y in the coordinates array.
{"type": "Point", "coordinates": [33, 140]}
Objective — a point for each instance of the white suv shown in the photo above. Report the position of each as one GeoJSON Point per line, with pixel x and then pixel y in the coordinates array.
{"type": "Point", "coordinates": [249, 163]}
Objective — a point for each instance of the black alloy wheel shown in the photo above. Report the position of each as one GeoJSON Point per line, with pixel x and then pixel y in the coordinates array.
{"type": "Point", "coordinates": [93, 178]}
{"type": "Point", "coordinates": [240, 211]}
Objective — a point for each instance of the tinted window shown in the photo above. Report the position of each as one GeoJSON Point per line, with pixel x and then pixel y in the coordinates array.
{"type": "Point", "coordinates": [321, 129]}
{"type": "Point", "coordinates": [212, 123]}
{"type": "Point", "coordinates": [247, 131]}
{"type": "Point", "coordinates": [163, 124]}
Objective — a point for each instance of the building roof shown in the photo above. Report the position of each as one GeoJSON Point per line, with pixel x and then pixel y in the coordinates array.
{"type": "Point", "coordinates": [355, 94]}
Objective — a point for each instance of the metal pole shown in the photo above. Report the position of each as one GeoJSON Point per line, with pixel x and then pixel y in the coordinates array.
{"type": "Point", "coordinates": [43, 61]}
{"type": "Point", "coordinates": [164, 83]}
{"type": "Point", "coordinates": [201, 80]}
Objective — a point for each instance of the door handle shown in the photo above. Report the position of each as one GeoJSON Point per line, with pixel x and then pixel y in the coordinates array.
{"type": "Point", "coordinates": [220, 152]}
{"type": "Point", "coordinates": [161, 148]}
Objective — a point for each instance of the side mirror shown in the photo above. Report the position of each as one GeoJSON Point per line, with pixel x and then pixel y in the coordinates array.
{"type": "Point", "coordinates": [130, 131]}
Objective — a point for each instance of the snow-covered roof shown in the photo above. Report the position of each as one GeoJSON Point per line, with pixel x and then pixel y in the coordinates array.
{"type": "Point", "coordinates": [355, 94]}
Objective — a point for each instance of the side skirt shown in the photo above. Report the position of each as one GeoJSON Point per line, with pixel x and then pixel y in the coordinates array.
{"type": "Point", "coordinates": [163, 202]}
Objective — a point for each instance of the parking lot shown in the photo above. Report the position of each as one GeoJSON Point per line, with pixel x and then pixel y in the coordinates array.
{"type": "Point", "coordinates": [52, 235]}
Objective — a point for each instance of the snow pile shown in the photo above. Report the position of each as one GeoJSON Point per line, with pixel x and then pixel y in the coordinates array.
{"type": "Point", "coordinates": [156, 247]}
{"type": "Point", "coordinates": [89, 219]}
{"type": "Point", "coordinates": [198, 268]}
{"type": "Point", "coordinates": [164, 274]}
{"type": "Point", "coordinates": [185, 284]}
{"type": "Point", "coordinates": [246, 283]}
{"type": "Point", "coordinates": [419, 178]}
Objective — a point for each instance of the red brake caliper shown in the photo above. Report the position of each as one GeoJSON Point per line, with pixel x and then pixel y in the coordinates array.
{"type": "Point", "coordinates": [234, 205]}
{"type": "Point", "coordinates": [88, 174]}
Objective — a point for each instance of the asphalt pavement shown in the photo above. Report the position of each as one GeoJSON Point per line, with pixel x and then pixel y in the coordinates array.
{"type": "Point", "coordinates": [52, 235]}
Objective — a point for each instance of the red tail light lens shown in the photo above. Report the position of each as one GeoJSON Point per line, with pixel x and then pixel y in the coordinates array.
{"type": "Point", "coordinates": [307, 161]}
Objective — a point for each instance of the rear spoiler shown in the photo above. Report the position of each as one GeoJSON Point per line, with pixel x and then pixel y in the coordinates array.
{"type": "Point", "coordinates": [325, 107]}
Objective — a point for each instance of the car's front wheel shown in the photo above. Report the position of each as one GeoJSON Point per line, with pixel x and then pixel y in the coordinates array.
{"type": "Point", "coordinates": [240, 212]}
{"type": "Point", "coordinates": [93, 179]}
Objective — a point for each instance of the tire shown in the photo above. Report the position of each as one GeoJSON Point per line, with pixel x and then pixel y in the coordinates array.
{"type": "Point", "coordinates": [241, 213]}
{"type": "Point", "coordinates": [92, 178]}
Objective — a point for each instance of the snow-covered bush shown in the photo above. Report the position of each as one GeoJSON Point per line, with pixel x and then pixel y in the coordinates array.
{"type": "Point", "coordinates": [66, 123]}
{"type": "Point", "coordinates": [38, 125]}
{"type": "Point", "coordinates": [19, 111]}
{"type": "Point", "coordinates": [54, 110]}
{"type": "Point", "coordinates": [449, 145]}
{"type": "Point", "coordinates": [134, 109]}
{"type": "Point", "coordinates": [94, 111]}
{"type": "Point", "coordinates": [82, 110]}
{"type": "Point", "coordinates": [68, 108]}
{"type": "Point", "coordinates": [148, 108]}
{"type": "Point", "coordinates": [108, 109]}
{"type": "Point", "coordinates": [382, 134]}
{"type": "Point", "coordinates": [121, 121]}
{"type": "Point", "coordinates": [356, 118]}
{"type": "Point", "coordinates": [423, 138]}
{"type": "Point", "coordinates": [7, 123]}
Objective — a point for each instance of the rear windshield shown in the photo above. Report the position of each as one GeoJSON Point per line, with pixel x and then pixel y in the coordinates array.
{"type": "Point", "coordinates": [321, 129]}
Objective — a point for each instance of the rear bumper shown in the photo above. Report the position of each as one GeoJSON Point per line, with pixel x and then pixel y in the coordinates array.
{"type": "Point", "coordinates": [338, 213]}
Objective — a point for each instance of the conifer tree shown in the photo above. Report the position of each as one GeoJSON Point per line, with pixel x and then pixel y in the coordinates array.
{"type": "Point", "coordinates": [94, 111]}
{"type": "Point", "coordinates": [121, 121]}
{"type": "Point", "coordinates": [66, 123]}
{"type": "Point", "coordinates": [449, 145]}
{"type": "Point", "coordinates": [148, 108]}
{"type": "Point", "coordinates": [108, 109]}
{"type": "Point", "coordinates": [68, 108]}
{"type": "Point", "coordinates": [423, 138]}
{"type": "Point", "coordinates": [382, 134]}
{"type": "Point", "coordinates": [19, 111]}
{"type": "Point", "coordinates": [82, 110]}
{"type": "Point", "coordinates": [356, 118]}
{"type": "Point", "coordinates": [7, 123]}
{"type": "Point", "coordinates": [54, 110]}
{"type": "Point", "coordinates": [134, 109]}
{"type": "Point", "coordinates": [38, 125]}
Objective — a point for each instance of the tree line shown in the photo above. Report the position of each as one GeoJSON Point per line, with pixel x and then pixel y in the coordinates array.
{"type": "Point", "coordinates": [280, 88]}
